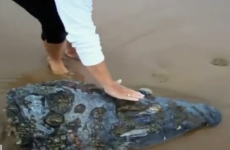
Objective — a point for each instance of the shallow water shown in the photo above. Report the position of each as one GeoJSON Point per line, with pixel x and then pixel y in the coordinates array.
{"type": "Point", "coordinates": [166, 45]}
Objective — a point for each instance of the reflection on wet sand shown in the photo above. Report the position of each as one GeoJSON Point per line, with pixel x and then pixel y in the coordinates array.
{"type": "Point", "coordinates": [161, 44]}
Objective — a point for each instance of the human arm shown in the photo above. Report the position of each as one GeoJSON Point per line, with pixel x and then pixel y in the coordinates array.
{"type": "Point", "coordinates": [76, 16]}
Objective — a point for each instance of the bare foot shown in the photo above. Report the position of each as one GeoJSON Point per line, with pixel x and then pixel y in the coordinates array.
{"type": "Point", "coordinates": [71, 52]}
{"type": "Point", "coordinates": [58, 67]}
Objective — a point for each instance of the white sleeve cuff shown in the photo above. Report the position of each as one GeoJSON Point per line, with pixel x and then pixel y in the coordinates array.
{"type": "Point", "coordinates": [91, 58]}
{"type": "Point", "coordinates": [76, 16]}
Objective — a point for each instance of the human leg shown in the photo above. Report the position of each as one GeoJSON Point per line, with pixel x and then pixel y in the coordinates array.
{"type": "Point", "coordinates": [54, 52]}
{"type": "Point", "coordinates": [53, 31]}
{"type": "Point", "coordinates": [53, 35]}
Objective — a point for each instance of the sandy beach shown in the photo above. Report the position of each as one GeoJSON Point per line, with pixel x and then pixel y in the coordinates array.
{"type": "Point", "coordinates": [165, 45]}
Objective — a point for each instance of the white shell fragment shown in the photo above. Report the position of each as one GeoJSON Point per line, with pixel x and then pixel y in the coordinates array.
{"type": "Point", "coordinates": [147, 90]}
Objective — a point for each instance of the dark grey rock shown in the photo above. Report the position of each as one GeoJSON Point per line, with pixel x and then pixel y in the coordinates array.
{"type": "Point", "coordinates": [68, 115]}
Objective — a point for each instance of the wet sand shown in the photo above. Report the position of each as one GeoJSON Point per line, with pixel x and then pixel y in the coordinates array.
{"type": "Point", "coordinates": [167, 45]}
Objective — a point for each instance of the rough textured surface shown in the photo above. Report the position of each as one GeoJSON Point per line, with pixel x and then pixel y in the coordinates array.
{"type": "Point", "coordinates": [68, 115]}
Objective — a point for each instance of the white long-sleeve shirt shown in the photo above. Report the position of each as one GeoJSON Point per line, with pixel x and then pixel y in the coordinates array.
{"type": "Point", "coordinates": [76, 16]}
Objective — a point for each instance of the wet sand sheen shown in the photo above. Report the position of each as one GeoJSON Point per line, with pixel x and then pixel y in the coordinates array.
{"type": "Point", "coordinates": [167, 45]}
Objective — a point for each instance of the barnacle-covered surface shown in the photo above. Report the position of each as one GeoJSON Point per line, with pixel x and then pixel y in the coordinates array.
{"type": "Point", "coordinates": [68, 115]}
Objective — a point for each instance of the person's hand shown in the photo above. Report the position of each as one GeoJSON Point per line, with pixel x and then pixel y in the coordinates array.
{"type": "Point", "coordinates": [120, 92]}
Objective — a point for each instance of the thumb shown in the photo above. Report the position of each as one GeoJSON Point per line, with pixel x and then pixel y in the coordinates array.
{"type": "Point", "coordinates": [119, 81]}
